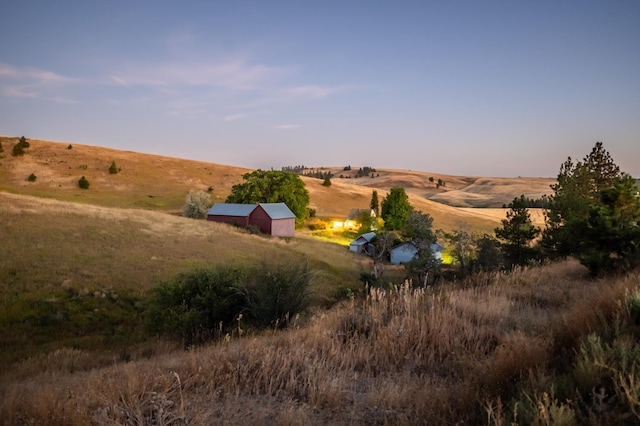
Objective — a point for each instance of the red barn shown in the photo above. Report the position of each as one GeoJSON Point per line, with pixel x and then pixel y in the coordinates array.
{"type": "Point", "coordinates": [271, 218]}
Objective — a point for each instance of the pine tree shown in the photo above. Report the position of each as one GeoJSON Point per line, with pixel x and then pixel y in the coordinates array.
{"type": "Point", "coordinates": [374, 204]}
{"type": "Point", "coordinates": [517, 233]}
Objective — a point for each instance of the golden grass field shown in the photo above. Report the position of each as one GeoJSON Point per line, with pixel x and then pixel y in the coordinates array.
{"type": "Point", "coordinates": [160, 183]}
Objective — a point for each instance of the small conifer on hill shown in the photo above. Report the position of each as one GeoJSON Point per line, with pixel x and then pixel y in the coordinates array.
{"type": "Point", "coordinates": [83, 183]}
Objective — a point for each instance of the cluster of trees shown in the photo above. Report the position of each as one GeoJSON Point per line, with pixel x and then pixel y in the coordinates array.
{"type": "Point", "coordinates": [308, 172]}
{"type": "Point", "coordinates": [19, 148]}
{"type": "Point", "coordinates": [439, 183]}
{"type": "Point", "coordinates": [593, 215]}
{"type": "Point", "coordinates": [534, 203]}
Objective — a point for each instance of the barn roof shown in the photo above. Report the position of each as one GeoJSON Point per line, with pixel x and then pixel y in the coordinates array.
{"type": "Point", "coordinates": [229, 209]}
{"type": "Point", "coordinates": [277, 210]}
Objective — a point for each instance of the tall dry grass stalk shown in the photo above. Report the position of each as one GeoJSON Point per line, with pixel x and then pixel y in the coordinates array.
{"type": "Point", "coordinates": [405, 356]}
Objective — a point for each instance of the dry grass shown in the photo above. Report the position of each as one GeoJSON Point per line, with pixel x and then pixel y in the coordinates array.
{"type": "Point", "coordinates": [161, 183]}
{"type": "Point", "coordinates": [443, 356]}
{"type": "Point", "coordinates": [77, 274]}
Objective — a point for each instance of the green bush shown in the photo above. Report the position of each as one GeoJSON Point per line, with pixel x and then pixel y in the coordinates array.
{"type": "Point", "coordinates": [204, 304]}
{"type": "Point", "coordinates": [196, 305]}
{"type": "Point", "coordinates": [69, 147]}
{"type": "Point", "coordinates": [275, 294]}
{"type": "Point", "coordinates": [17, 150]}
{"type": "Point", "coordinates": [83, 183]}
{"type": "Point", "coordinates": [32, 177]}
{"type": "Point", "coordinates": [113, 169]}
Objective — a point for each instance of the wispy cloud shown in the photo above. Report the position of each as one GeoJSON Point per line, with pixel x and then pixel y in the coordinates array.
{"type": "Point", "coordinates": [235, 117]}
{"type": "Point", "coordinates": [313, 91]}
{"type": "Point", "coordinates": [18, 92]}
{"type": "Point", "coordinates": [287, 126]}
{"type": "Point", "coordinates": [236, 74]}
{"type": "Point", "coordinates": [33, 83]}
{"type": "Point", "coordinates": [32, 75]}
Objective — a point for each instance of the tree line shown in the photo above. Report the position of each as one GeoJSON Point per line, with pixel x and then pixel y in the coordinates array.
{"type": "Point", "coordinates": [592, 215]}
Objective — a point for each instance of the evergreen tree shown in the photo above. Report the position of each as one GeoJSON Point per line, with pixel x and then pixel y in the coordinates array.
{"type": "Point", "coordinates": [327, 182]}
{"type": "Point", "coordinates": [594, 214]}
{"type": "Point", "coordinates": [83, 183]}
{"type": "Point", "coordinates": [113, 169]}
{"type": "Point", "coordinates": [375, 204]}
{"type": "Point", "coordinates": [517, 233]}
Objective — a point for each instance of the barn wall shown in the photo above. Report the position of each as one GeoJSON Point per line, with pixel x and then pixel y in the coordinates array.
{"type": "Point", "coordinates": [261, 219]}
{"type": "Point", "coordinates": [283, 227]}
{"type": "Point", "coordinates": [233, 220]}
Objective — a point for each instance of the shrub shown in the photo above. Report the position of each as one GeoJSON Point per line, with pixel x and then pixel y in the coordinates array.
{"type": "Point", "coordinates": [17, 150]}
{"type": "Point", "coordinates": [196, 205]}
{"type": "Point", "coordinates": [327, 182]}
{"type": "Point", "coordinates": [113, 169]}
{"type": "Point", "coordinates": [1, 148]}
{"type": "Point", "coordinates": [32, 177]}
{"type": "Point", "coordinates": [196, 305]}
{"type": "Point", "coordinates": [274, 294]}
{"type": "Point", "coordinates": [83, 183]}
{"type": "Point", "coordinates": [69, 147]}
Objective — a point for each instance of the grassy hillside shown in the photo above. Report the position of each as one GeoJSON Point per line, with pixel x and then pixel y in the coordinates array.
{"type": "Point", "coordinates": [161, 183]}
{"type": "Point", "coordinates": [539, 346]}
{"type": "Point", "coordinates": [77, 274]}
{"type": "Point", "coordinates": [144, 181]}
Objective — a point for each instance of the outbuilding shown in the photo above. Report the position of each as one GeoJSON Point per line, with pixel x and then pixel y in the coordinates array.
{"type": "Point", "coordinates": [270, 218]}
{"type": "Point", "coordinates": [406, 252]}
{"type": "Point", "coordinates": [363, 244]}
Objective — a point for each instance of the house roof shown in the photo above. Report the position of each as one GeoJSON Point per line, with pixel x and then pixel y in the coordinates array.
{"type": "Point", "coordinates": [404, 246]}
{"type": "Point", "coordinates": [356, 213]}
{"type": "Point", "coordinates": [273, 210]}
{"type": "Point", "coordinates": [364, 238]}
{"type": "Point", "coordinates": [229, 209]}
{"type": "Point", "coordinates": [277, 210]}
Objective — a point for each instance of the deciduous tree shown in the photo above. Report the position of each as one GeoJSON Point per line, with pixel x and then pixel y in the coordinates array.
{"type": "Point", "coordinates": [395, 209]}
{"type": "Point", "coordinates": [273, 186]}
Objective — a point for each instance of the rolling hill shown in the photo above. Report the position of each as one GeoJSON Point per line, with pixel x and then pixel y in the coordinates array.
{"type": "Point", "coordinates": [160, 183]}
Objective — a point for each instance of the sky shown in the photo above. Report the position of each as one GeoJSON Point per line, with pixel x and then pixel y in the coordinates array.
{"type": "Point", "coordinates": [477, 88]}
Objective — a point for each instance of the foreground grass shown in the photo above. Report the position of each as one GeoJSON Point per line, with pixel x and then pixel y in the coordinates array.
{"type": "Point", "coordinates": [533, 347]}
{"type": "Point", "coordinates": [77, 275]}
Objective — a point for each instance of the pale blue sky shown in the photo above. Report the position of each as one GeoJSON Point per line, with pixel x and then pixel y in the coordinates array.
{"type": "Point", "coordinates": [489, 88]}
